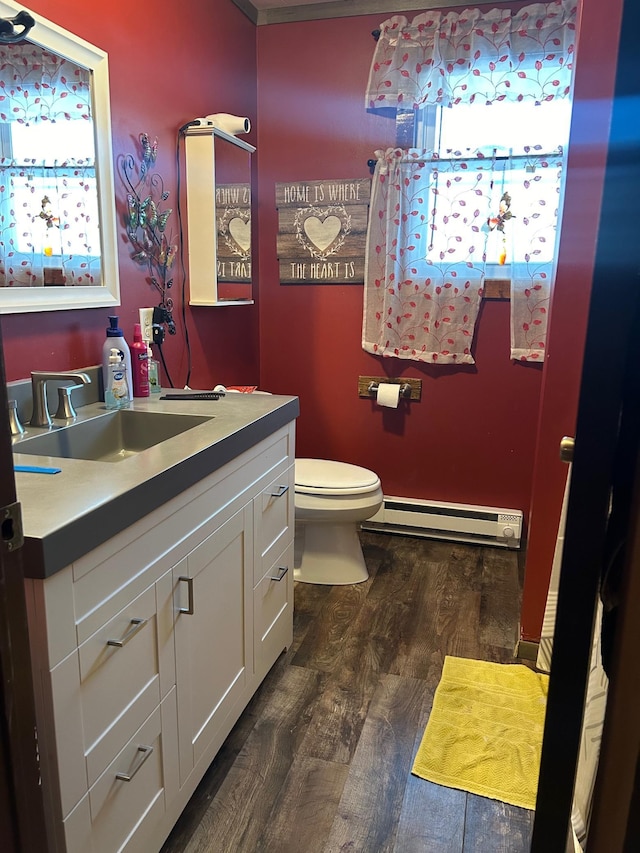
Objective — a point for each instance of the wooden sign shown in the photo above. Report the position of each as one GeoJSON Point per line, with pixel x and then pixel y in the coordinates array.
{"type": "Point", "coordinates": [233, 225]}
{"type": "Point", "coordinates": [322, 231]}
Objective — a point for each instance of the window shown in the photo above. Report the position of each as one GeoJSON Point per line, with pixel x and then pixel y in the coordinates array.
{"type": "Point", "coordinates": [521, 133]}
{"type": "Point", "coordinates": [46, 194]}
{"type": "Point", "coordinates": [49, 216]}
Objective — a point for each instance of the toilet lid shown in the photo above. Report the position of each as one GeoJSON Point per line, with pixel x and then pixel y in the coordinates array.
{"type": "Point", "coordinates": [324, 476]}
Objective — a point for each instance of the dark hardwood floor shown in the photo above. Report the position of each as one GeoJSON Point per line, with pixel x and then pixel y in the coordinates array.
{"type": "Point", "coordinates": [321, 759]}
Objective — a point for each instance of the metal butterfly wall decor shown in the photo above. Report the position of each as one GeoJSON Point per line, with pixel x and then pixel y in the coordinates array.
{"type": "Point", "coordinates": [146, 222]}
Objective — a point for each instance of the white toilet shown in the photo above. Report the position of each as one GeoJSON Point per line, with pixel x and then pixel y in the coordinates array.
{"type": "Point", "coordinates": [331, 500]}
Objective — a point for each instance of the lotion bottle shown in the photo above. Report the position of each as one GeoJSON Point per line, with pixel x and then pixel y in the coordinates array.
{"type": "Point", "coordinates": [154, 373]}
{"type": "Point", "coordinates": [139, 364]}
{"type": "Point", "coordinates": [117, 394]}
{"type": "Point", "coordinates": [115, 338]}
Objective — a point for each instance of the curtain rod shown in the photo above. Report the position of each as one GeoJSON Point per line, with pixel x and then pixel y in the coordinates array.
{"type": "Point", "coordinates": [8, 33]}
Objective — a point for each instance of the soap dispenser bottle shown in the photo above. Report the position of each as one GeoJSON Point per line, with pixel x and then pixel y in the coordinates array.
{"type": "Point", "coordinates": [115, 338]}
{"type": "Point", "coordinates": [139, 364]}
{"type": "Point", "coordinates": [117, 394]}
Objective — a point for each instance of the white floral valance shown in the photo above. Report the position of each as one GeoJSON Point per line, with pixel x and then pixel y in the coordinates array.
{"type": "Point", "coordinates": [36, 85]}
{"type": "Point", "coordinates": [450, 57]}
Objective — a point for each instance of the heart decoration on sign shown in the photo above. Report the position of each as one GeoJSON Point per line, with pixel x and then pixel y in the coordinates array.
{"type": "Point", "coordinates": [241, 233]}
{"type": "Point", "coordinates": [322, 231]}
{"type": "Point", "coordinates": [234, 228]}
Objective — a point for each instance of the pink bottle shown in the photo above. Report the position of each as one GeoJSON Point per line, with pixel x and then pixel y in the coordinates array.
{"type": "Point", "coordinates": [139, 363]}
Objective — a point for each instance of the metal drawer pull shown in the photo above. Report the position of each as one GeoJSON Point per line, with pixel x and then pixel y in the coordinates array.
{"type": "Point", "coordinates": [189, 582]}
{"type": "Point", "coordinates": [281, 491]}
{"type": "Point", "coordinates": [127, 777]}
{"type": "Point", "coordinates": [282, 570]}
{"type": "Point", "coordinates": [136, 625]}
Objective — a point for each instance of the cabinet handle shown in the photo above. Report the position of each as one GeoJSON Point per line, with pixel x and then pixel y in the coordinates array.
{"type": "Point", "coordinates": [136, 625]}
{"type": "Point", "coordinates": [146, 752]}
{"type": "Point", "coordinates": [282, 572]}
{"type": "Point", "coordinates": [189, 582]}
{"type": "Point", "coordinates": [280, 491]}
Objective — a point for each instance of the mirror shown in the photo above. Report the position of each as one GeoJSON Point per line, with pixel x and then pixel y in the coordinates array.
{"type": "Point", "coordinates": [49, 261]}
{"type": "Point", "coordinates": [233, 222]}
{"type": "Point", "coordinates": [218, 178]}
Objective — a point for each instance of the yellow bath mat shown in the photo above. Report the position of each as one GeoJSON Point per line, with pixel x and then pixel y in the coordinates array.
{"type": "Point", "coordinates": [484, 733]}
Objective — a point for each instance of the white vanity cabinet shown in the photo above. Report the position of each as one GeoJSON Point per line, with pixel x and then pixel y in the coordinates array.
{"type": "Point", "coordinates": [147, 649]}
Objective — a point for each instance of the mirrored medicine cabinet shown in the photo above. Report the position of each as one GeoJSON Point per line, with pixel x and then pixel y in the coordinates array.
{"type": "Point", "coordinates": [51, 256]}
{"type": "Point", "coordinates": [218, 181]}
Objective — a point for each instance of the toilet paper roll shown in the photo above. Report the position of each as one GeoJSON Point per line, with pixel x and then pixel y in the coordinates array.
{"type": "Point", "coordinates": [230, 123]}
{"type": "Point", "coordinates": [388, 394]}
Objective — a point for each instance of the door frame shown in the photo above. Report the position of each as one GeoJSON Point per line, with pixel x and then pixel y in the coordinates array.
{"type": "Point", "coordinates": [22, 824]}
{"type": "Point", "coordinates": [607, 448]}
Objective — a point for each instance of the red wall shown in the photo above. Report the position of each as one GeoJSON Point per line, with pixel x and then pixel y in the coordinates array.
{"type": "Point", "coordinates": [472, 436]}
{"type": "Point", "coordinates": [168, 63]}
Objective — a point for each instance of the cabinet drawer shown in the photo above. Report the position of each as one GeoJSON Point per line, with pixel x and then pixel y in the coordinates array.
{"type": "Point", "coordinates": [273, 612]}
{"type": "Point", "coordinates": [119, 680]}
{"type": "Point", "coordinates": [131, 788]}
{"type": "Point", "coordinates": [123, 815]}
{"type": "Point", "coordinates": [273, 521]}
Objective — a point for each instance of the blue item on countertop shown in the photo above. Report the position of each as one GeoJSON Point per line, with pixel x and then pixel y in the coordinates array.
{"type": "Point", "coordinates": [35, 469]}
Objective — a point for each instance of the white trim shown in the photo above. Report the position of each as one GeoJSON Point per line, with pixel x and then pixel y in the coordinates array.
{"type": "Point", "coordinates": [14, 300]}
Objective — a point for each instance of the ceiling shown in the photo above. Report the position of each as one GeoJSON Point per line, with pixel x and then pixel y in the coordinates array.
{"type": "Point", "coordinates": [287, 11]}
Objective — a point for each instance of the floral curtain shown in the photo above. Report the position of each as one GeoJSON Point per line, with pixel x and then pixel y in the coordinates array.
{"type": "Point", "coordinates": [36, 85]}
{"type": "Point", "coordinates": [48, 207]}
{"type": "Point", "coordinates": [448, 58]}
{"type": "Point", "coordinates": [425, 255]}
{"type": "Point", "coordinates": [453, 57]}
{"type": "Point", "coordinates": [533, 236]}
{"type": "Point", "coordinates": [42, 244]}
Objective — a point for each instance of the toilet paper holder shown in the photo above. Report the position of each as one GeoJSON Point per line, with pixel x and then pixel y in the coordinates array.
{"type": "Point", "coordinates": [405, 389]}
{"type": "Point", "coordinates": [410, 389]}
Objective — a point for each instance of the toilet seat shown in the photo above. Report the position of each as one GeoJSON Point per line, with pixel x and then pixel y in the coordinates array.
{"type": "Point", "coordinates": [327, 477]}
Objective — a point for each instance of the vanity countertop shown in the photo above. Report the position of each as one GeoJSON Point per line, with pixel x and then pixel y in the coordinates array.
{"type": "Point", "coordinates": [66, 515]}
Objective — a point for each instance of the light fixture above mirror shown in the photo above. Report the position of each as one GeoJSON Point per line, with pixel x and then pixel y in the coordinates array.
{"type": "Point", "coordinates": [55, 253]}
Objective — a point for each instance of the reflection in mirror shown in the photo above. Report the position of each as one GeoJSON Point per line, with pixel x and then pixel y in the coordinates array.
{"type": "Point", "coordinates": [233, 221]}
{"type": "Point", "coordinates": [49, 231]}
{"type": "Point", "coordinates": [218, 179]}
{"type": "Point", "coordinates": [57, 206]}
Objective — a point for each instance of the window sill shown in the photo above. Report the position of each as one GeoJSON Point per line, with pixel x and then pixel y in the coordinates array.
{"type": "Point", "coordinates": [497, 288]}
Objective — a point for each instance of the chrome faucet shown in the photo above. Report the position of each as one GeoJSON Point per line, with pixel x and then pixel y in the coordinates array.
{"type": "Point", "coordinates": [14, 420]}
{"type": "Point", "coordinates": [39, 378]}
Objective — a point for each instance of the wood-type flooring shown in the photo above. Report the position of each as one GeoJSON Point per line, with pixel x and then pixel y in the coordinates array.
{"type": "Point", "coordinates": [320, 761]}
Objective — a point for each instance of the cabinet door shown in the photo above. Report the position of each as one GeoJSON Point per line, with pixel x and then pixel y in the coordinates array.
{"type": "Point", "coordinates": [273, 613]}
{"type": "Point", "coordinates": [214, 638]}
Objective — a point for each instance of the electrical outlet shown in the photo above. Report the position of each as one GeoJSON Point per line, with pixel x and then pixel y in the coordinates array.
{"type": "Point", "coordinates": [146, 323]}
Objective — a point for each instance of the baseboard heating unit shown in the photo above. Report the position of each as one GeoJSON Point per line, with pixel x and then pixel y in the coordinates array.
{"type": "Point", "coordinates": [481, 525]}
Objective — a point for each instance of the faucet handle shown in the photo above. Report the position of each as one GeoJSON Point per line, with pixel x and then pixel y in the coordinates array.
{"type": "Point", "coordinates": [14, 420]}
{"type": "Point", "coordinates": [65, 410]}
